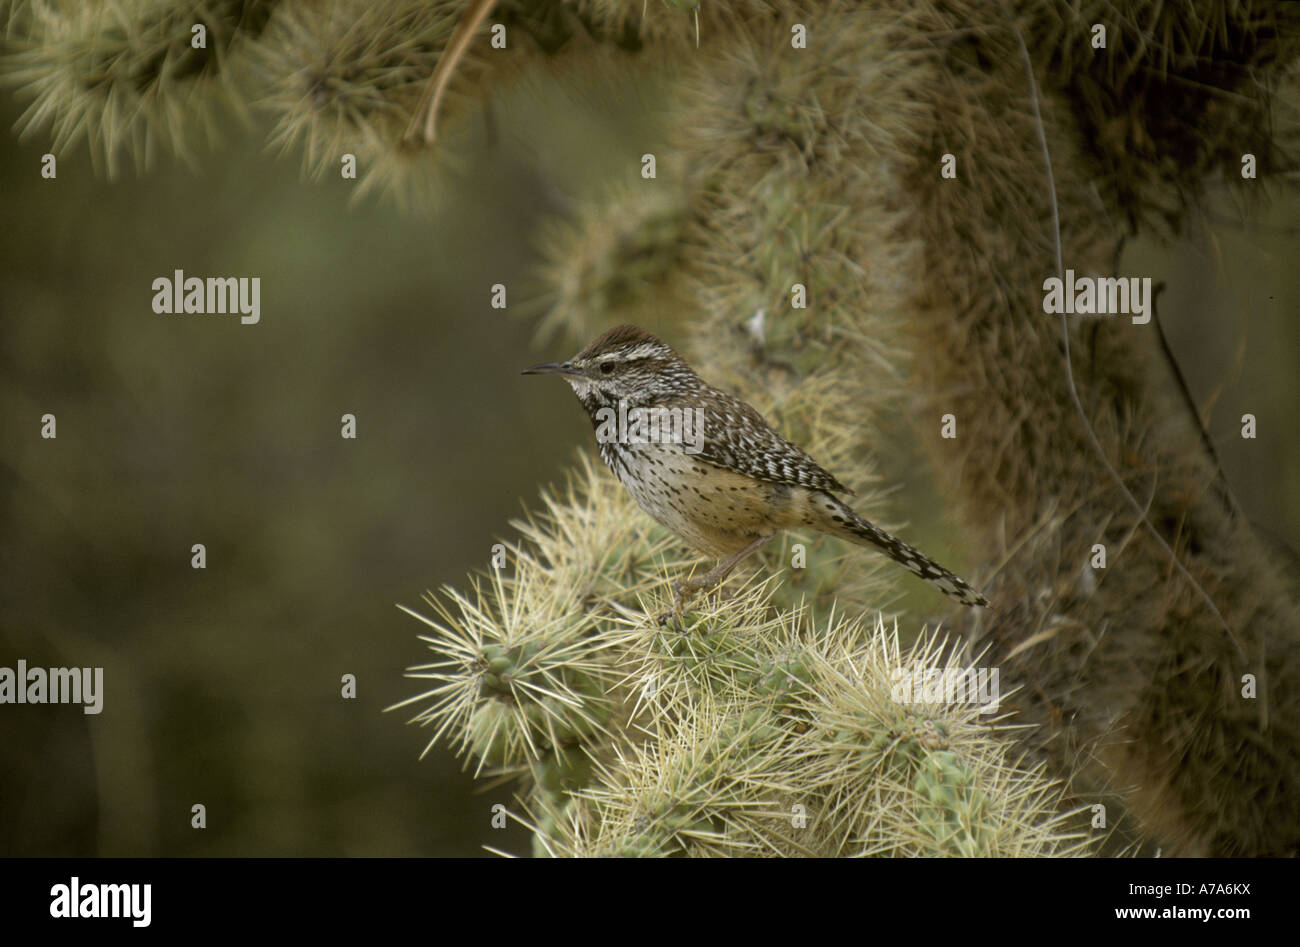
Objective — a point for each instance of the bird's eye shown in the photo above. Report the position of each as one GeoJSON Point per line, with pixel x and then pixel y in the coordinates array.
{"type": "Point", "coordinates": [607, 368]}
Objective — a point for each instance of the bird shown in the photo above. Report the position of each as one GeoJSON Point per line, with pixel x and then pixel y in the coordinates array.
{"type": "Point", "coordinates": [709, 468]}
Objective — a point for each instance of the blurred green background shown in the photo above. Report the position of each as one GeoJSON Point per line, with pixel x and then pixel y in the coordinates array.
{"type": "Point", "coordinates": [222, 686]}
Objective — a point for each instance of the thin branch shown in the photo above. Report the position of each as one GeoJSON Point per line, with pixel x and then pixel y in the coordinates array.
{"type": "Point", "coordinates": [431, 100]}
{"type": "Point", "coordinates": [1065, 338]}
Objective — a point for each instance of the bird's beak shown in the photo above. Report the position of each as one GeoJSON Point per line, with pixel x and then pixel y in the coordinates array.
{"type": "Point", "coordinates": [552, 368]}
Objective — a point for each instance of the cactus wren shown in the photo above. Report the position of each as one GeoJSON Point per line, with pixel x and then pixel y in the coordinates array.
{"type": "Point", "coordinates": [729, 491]}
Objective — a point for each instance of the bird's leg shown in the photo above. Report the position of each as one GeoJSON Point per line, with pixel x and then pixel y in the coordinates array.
{"type": "Point", "coordinates": [690, 587]}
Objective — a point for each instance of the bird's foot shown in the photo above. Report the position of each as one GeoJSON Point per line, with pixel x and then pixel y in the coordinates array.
{"type": "Point", "coordinates": [684, 590]}
{"type": "Point", "coordinates": [670, 618]}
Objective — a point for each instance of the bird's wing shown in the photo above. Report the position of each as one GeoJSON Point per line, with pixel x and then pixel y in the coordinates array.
{"type": "Point", "coordinates": [737, 438]}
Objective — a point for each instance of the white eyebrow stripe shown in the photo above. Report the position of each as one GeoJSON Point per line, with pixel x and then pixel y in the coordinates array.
{"type": "Point", "coordinates": [644, 350]}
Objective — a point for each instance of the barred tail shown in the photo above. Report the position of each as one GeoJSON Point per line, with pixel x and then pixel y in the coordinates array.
{"type": "Point", "coordinates": [847, 524]}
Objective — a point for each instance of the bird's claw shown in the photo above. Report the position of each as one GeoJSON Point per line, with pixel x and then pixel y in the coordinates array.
{"type": "Point", "coordinates": [674, 614]}
{"type": "Point", "coordinates": [670, 617]}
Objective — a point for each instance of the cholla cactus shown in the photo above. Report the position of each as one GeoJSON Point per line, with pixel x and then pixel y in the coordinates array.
{"type": "Point", "coordinates": [127, 76]}
{"type": "Point", "coordinates": [760, 730]}
{"type": "Point", "coordinates": [617, 253]}
{"type": "Point", "coordinates": [1137, 682]}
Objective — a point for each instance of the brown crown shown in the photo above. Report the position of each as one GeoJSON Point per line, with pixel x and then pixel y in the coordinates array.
{"type": "Point", "coordinates": [626, 334]}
